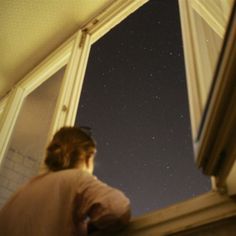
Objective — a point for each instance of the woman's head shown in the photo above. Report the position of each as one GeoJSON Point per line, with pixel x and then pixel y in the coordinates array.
{"type": "Point", "coordinates": [71, 147]}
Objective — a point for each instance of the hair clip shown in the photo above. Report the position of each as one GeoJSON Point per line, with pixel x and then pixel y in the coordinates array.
{"type": "Point", "coordinates": [86, 129]}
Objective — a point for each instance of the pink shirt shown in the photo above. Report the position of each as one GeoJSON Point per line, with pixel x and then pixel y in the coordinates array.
{"type": "Point", "coordinates": [61, 203]}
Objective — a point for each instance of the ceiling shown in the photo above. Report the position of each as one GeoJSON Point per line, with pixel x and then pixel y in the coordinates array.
{"type": "Point", "coordinates": [31, 30]}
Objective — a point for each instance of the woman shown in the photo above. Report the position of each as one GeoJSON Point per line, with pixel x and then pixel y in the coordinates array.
{"type": "Point", "coordinates": [68, 200]}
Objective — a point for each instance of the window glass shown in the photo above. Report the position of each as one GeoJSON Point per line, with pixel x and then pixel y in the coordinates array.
{"type": "Point", "coordinates": [28, 141]}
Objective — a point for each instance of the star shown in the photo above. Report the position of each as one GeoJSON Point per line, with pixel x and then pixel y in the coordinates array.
{"type": "Point", "coordinates": [138, 187]}
{"type": "Point", "coordinates": [156, 97]}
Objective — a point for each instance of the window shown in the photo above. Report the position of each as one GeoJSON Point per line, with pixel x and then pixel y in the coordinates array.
{"type": "Point", "coordinates": [135, 98]}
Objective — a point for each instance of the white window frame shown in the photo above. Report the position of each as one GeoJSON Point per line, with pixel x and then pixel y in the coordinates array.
{"type": "Point", "coordinates": [3, 103]}
{"type": "Point", "coordinates": [196, 80]}
{"type": "Point", "coordinates": [211, 123]}
{"type": "Point", "coordinates": [14, 100]}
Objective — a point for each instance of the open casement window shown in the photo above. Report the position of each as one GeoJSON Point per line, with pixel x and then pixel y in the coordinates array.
{"type": "Point", "coordinates": [203, 26]}
{"type": "Point", "coordinates": [212, 103]}
{"type": "Point", "coordinates": [209, 36]}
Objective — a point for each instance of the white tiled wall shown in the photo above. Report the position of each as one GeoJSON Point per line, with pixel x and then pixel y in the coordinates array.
{"type": "Point", "coordinates": [15, 171]}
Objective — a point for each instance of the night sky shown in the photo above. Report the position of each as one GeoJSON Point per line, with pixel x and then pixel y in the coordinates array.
{"type": "Point", "coordinates": [135, 100]}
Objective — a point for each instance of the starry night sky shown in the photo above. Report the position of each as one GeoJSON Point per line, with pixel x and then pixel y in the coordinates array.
{"type": "Point", "coordinates": [135, 99]}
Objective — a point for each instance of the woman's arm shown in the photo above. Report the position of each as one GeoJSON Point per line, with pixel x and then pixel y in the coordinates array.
{"type": "Point", "coordinates": [107, 208]}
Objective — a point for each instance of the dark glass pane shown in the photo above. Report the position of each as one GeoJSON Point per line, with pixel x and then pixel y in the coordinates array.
{"type": "Point", "coordinates": [135, 99]}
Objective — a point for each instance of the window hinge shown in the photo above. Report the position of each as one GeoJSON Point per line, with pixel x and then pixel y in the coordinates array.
{"type": "Point", "coordinates": [82, 40]}
{"type": "Point", "coordinates": [220, 188]}
{"type": "Point", "coordinates": [64, 108]}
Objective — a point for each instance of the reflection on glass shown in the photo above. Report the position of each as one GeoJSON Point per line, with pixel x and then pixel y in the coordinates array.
{"type": "Point", "coordinates": [210, 20]}
{"type": "Point", "coordinates": [29, 137]}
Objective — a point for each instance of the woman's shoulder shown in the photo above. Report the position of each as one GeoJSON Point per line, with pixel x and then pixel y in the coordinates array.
{"type": "Point", "coordinates": [71, 174]}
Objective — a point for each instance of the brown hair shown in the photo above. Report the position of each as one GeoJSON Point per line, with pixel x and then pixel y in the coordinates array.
{"type": "Point", "coordinates": [69, 146]}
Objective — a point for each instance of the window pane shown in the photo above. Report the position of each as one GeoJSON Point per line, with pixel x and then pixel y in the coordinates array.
{"type": "Point", "coordinates": [27, 146]}
{"type": "Point", "coordinates": [134, 98]}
